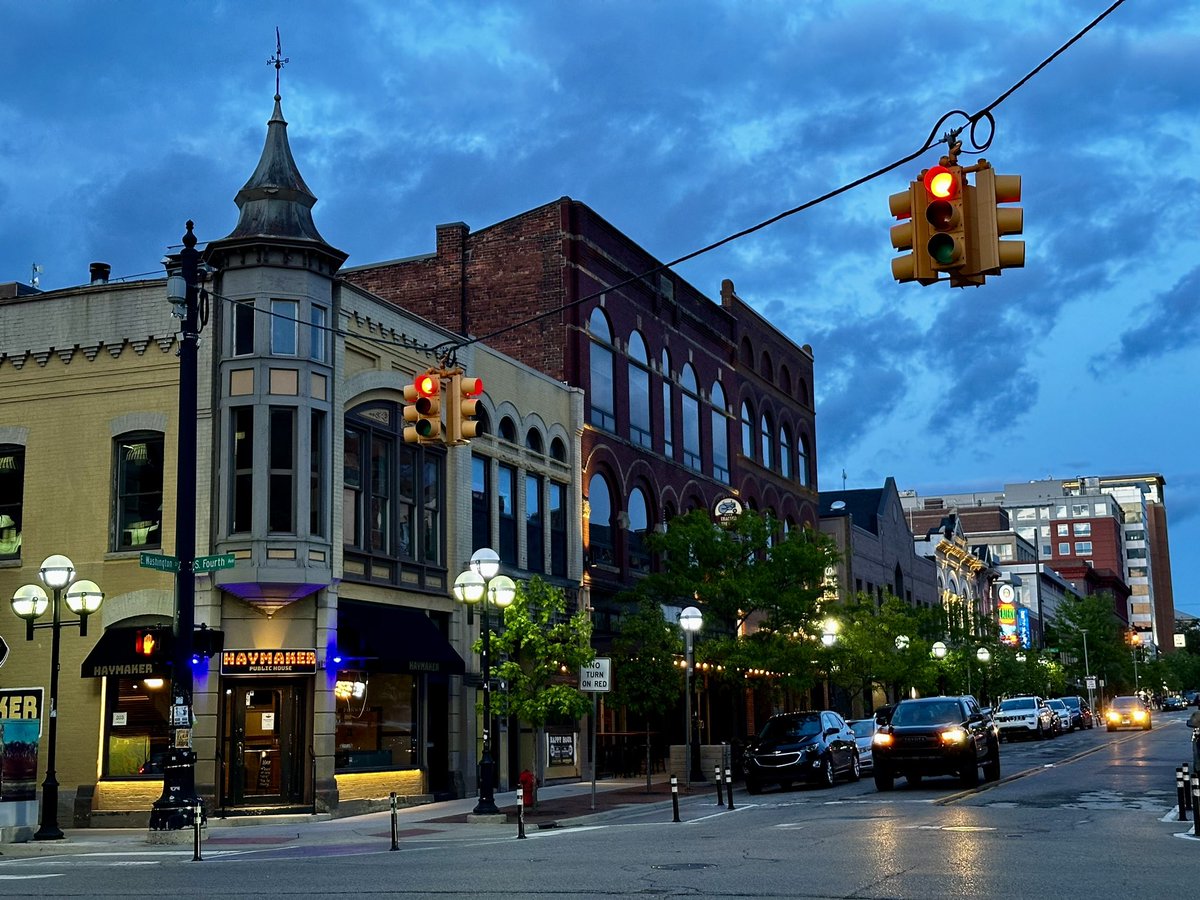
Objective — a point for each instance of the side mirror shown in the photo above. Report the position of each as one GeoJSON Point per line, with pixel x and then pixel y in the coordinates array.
{"type": "Point", "coordinates": [1194, 720]}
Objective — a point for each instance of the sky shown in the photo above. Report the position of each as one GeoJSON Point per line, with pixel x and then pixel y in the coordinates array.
{"type": "Point", "coordinates": [682, 123]}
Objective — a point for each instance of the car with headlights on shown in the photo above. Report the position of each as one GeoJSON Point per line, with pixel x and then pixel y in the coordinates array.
{"type": "Point", "coordinates": [936, 736]}
{"type": "Point", "coordinates": [811, 746]}
{"type": "Point", "coordinates": [1127, 712]}
{"type": "Point", "coordinates": [1025, 717]}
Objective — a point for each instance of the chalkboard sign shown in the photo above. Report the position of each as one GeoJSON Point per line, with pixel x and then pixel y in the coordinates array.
{"type": "Point", "coordinates": [562, 749]}
{"type": "Point", "coordinates": [265, 765]}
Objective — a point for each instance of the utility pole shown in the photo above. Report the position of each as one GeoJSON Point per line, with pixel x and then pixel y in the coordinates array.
{"type": "Point", "coordinates": [175, 809]}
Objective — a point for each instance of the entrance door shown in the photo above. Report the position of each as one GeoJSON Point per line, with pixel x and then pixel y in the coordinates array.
{"type": "Point", "coordinates": [263, 744]}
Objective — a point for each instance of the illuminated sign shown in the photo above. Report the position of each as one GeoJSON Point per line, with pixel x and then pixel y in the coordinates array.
{"type": "Point", "coordinates": [726, 510]}
{"type": "Point", "coordinates": [268, 662]}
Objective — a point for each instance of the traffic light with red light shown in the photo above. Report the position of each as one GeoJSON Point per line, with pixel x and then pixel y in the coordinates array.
{"type": "Point", "coordinates": [464, 406]}
{"type": "Point", "coordinates": [989, 222]}
{"type": "Point", "coordinates": [423, 409]}
{"type": "Point", "coordinates": [945, 195]}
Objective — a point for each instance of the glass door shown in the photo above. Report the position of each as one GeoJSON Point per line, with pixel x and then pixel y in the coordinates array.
{"type": "Point", "coordinates": [262, 746]}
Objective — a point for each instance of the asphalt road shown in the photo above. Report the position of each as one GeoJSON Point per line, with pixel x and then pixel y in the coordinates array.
{"type": "Point", "coordinates": [1086, 815]}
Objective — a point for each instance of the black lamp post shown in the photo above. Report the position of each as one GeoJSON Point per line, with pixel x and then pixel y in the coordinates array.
{"type": "Point", "coordinates": [691, 620]}
{"type": "Point", "coordinates": [29, 602]}
{"type": "Point", "coordinates": [482, 582]}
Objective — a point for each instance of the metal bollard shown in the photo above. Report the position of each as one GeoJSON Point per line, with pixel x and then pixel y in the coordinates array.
{"type": "Point", "coordinates": [1187, 784]}
{"type": "Point", "coordinates": [197, 818]}
{"type": "Point", "coordinates": [395, 826]}
{"type": "Point", "coordinates": [717, 779]}
{"type": "Point", "coordinates": [729, 785]}
{"type": "Point", "coordinates": [1195, 801]}
{"type": "Point", "coordinates": [520, 813]}
{"type": "Point", "coordinates": [1181, 793]}
{"type": "Point", "coordinates": [675, 797]}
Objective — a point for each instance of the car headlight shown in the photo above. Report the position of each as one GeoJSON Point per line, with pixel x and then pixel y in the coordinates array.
{"type": "Point", "coordinates": [882, 739]}
{"type": "Point", "coordinates": [953, 736]}
{"type": "Point", "coordinates": [1113, 717]}
{"type": "Point", "coordinates": [1139, 715]}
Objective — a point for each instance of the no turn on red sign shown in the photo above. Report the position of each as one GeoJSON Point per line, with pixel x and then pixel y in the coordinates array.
{"type": "Point", "coordinates": [596, 676]}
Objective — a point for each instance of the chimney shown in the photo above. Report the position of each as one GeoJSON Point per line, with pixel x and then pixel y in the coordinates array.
{"type": "Point", "coordinates": [99, 272]}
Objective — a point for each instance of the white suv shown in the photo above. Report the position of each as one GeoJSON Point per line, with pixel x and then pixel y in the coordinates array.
{"type": "Point", "coordinates": [1025, 717]}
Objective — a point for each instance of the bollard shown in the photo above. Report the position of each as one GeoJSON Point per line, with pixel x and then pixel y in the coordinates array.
{"type": "Point", "coordinates": [717, 779]}
{"type": "Point", "coordinates": [1195, 801]}
{"type": "Point", "coordinates": [729, 785]}
{"type": "Point", "coordinates": [1187, 785]}
{"type": "Point", "coordinates": [197, 817]}
{"type": "Point", "coordinates": [675, 797]}
{"type": "Point", "coordinates": [1181, 793]}
{"type": "Point", "coordinates": [520, 813]}
{"type": "Point", "coordinates": [395, 828]}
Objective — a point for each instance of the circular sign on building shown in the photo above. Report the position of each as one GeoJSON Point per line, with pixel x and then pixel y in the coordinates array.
{"type": "Point", "coordinates": [726, 509]}
{"type": "Point", "coordinates": [1006, 593]}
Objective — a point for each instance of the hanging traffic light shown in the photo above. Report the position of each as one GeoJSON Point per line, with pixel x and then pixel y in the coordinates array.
{"type": "Point", "coordinates": [911, 235]}
{"type": "Point", "coordinates": [423, 410]}
{"type": "Point", "coordinates": [946, 246]}
{"type": "Point", "coordinates": [989, 222]}
{"type": "Point", "coordinates": [463, 406]}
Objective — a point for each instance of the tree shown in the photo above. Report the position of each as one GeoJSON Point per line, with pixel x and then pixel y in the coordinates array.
{"type": "Point", "coordinates": [1108, 654]}
{"type": "Point", "coordinates": [538, 644]}
{"type": "Point", "coordinates": [646, 681]}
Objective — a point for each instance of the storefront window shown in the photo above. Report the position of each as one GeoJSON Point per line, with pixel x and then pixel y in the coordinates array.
{"type": "Point", "coordinates": [136, 733]}
{"type": "Point", "coordinates": [376, 721]}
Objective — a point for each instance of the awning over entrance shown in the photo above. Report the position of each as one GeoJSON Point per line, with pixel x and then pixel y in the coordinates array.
{"type": "Point", "coordinates": [115, 655]}
{"type": "Point", "coordinates": [398, 639]}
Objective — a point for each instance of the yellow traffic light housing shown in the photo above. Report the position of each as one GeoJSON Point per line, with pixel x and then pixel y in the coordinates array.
{"type": "Point", "coordinates": [423, 409]}
{"type": "Point", "coordinates": [463, 407]}
{"type": "Point", "coordinates": [990, 222]}
{"type": "Point", "coordinates": [911, 235]}
{"type": "Point", "coordinates": [943, 211]}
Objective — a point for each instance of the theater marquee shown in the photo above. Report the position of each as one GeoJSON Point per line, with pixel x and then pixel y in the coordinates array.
{"type": "Point", "coordinates": [268, 662]}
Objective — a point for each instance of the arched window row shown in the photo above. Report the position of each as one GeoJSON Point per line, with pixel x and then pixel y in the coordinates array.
{"type": "Point", "coordinates": [779, 449]}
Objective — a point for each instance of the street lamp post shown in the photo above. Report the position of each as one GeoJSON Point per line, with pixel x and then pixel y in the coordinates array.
{"type": "Point", "coordinates": [29, 602]}
{"type": "Point", "coordinates": [901, 647]}
{"type": "Point", "coordinates": [1087, 670]}
{"type": "Point", "coordinates": [690, 620]}
{"type": "Point", "coordinates": [939, 651]}
{"type": "Point", "coordinates": [481, 582]}
{"type": "Point", "coordinates": [984, 655]}
{"type": "Point", "coordinates": [829, 635]}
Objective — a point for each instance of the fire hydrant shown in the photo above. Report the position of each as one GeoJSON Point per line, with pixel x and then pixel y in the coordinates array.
{"type": "Point", "coordinates": [528, 788]}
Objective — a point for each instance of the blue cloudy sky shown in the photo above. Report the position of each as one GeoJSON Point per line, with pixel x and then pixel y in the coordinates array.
{"type": "Point", "coordinates": [681, 123]}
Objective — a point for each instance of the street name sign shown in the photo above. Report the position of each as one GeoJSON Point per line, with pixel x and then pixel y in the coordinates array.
{"type": "Point", "coordinates": [212, 563]}
{"type": "Point", "coordinates": [596, 675]}
{"type": "Point", "coordinates": [159, 561]}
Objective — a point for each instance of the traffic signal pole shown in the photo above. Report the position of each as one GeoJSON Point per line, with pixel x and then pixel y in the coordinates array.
{"type": "Point", "coordinates": [176, 808]}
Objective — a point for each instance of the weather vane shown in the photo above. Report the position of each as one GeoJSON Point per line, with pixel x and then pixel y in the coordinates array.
{"type": "Point", "coordinates": [277, 60]}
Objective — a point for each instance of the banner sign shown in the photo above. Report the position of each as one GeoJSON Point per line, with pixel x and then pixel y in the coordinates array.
{"type": "Point", "coordinates": [20, 733]}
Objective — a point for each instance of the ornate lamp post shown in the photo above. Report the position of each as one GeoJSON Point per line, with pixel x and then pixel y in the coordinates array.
{"type": "Point", "coordinates": [29, 602]}
{"type": "Point", "coordinates": [691, 620]}
{"type": "Point", "coordinates": [984, 655]}
{"type": "Point", "coordinates": [481, 582]}
{"type": "Point", "coordinates": [939, 651]}
{"type": "Point", "coordinates": [829, 636]}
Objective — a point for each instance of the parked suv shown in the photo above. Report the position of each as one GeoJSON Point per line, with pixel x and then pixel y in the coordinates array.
{"type": "Point", "coordinates": [802, 746]}
{"type": "Point", "coordinates": [1081, 713]}
{"type": "Point", "coordinates": [936, 736]}
{"type": "Point", "coordinates": [1025, 717]}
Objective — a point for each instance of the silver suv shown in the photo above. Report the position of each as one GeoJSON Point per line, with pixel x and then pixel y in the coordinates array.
{"type": "Point", "coordinates": [1025, 717]}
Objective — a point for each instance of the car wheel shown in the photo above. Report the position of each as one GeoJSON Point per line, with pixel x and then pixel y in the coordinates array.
{"type": "Point", "coordinates": [991, 766]}
{"type": "Point", "coordinates": [913, 779]}
{"type": "Point", "coordinates": [855, 768]}
{"type": "Point", "coordinates": [753, 786]}
{"type": "Point", "coordinates": [883, 779]}
{"type": "Point", "coordinates": [828, 777]}
{"type": "Point", "coordinates": [1109, 728]}
{"type": "Point", "coordinates": [1041, 733]}
{"type": "Point", "coordinates": [1146, 727]}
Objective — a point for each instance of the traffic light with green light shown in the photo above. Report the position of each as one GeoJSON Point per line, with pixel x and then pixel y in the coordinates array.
{"type": "Point", "coordinates": [423, 409]}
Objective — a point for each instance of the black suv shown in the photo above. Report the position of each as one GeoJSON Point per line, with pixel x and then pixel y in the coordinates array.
{"type": "Point", "coordinates": [936, 736]}
{"type": "Point", "coordinates": [802, 746]}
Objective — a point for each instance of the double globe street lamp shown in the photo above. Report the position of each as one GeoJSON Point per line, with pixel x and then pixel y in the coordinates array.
{"type": "Point", "coordinates": [691, 620]}
{"type": "Point", "coordinates": [30, 602]}
{"type": "Point", "coordinates": [482, 583]}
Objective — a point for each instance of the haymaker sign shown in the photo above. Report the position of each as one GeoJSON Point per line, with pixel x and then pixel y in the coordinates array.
{"type": "Point", "coordinates": [268, 662]}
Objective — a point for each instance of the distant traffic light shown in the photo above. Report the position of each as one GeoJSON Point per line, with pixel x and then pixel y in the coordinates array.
{"type": "Point", "coordinates": [423, 409]}
{"type": "Point", "coordinates": [462, 409]}
{"type": "Point", "coordinates": [911, 235]}
{"type": "Point", "coordinates": [988, 222]}
{"type": "Point", "coordinates": [943, 210]}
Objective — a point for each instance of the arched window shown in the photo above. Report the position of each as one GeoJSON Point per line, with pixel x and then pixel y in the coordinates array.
{"type": "Point", "coordinates": [691, 417]}
{"type": "Point", "coordinates": [720, 434]}
{"type": "Point", "coordinates": [746, 353]}
{"type": "Point", "coordinates": [747, 430]}
{"type": "Point", "coordinates": [668, 437]}
{"type": "Point", "coordinates": [767, 434]}
{"type": "Point", "coordinates": [639, 392]}
{"type": "Point", "coordinates": [508, 430]}
{"type": "Point", "coordinates": [601, 392]}
{"type": "Point", "coordinates": [600, 522]}
{"type": "Point", "coordinates": [785, 379]}
{"type": "Point", "coordinates": [785, 452]}
{"type": "Point", "coordinates": [533, 441]}
{"type": "Point", "coordinates": [639, 524]}
{"type": "Point", "coordinates": [765, 369]}
{"type": "Point", "coordinates": [802, 461]}
{"type": "Point", "coordinates": [558, 449]}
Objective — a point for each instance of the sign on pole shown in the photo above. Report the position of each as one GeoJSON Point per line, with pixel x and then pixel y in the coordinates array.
{"type": "Point", "coordinates": [204, 564]}
{"type": "Point", "coordinates": [159, 561]}
{"type": "Point", "coordinates": [596, 675]}
{"type": "Point", "coordinates": [1091, 682]}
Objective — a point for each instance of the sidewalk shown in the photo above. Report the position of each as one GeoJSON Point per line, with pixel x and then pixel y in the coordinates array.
{"type": "Point", "coordinates": [559, 805]}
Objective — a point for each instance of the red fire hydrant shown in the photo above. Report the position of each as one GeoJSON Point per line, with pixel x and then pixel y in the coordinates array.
{"type": "Point", "coordinates": [528, 788]}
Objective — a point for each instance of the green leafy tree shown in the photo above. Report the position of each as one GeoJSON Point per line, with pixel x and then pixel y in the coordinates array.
{"type": "Point", "coordinates": [541, 649]}
{"type": "Point", "coordinates": [646, 681]}
{"type": "Point", "coordinates": [1108, 654]}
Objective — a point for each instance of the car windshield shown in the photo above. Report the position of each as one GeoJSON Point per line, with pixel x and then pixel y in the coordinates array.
{"type": "Point", "coordinates": [791, 728]}
{"type": "Point", "coordinates": [863, 727]}
{"type": "Point", "coordinates": [1018, 703]}
{"type": "Point", "coordinates": [934, 713]}
{"type": "Point", "coordinates": [1072, 702]}
{"type": "Point", "coordinates": [1127, 703]}
{"type": "Point", "coordinates": [1056, 704]}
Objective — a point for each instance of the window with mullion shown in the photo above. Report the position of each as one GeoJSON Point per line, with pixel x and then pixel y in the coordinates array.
{"type": "Point", "coordinates": [281, 484]}
{"type": "Point", "coordinates": [691, 418]}
{"type": "Point", "coordinates": [241, 420]}
{"type": "Point", "coordinates": [639, 392]}
{"type": "Point", "coordinates": [534, 525]}
{"type": "Point", "coordinates": [481, 517]}
{"type": "Point", "coordinates": [506, 494]}
{"type": "Point", "coordinates": [12, 496]}
{"type": "Point", "coordinates": [379, 516]}
{"type": "Point", "coordinates": [558, 529]}
{"type": "Point", "coordinates": [139, 491]}
{"type": "Point", "coordinates": [601, 386]}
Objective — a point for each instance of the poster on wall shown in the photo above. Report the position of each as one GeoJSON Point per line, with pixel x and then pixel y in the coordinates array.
{"type": "Point", "coordinates": [20, 733]}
